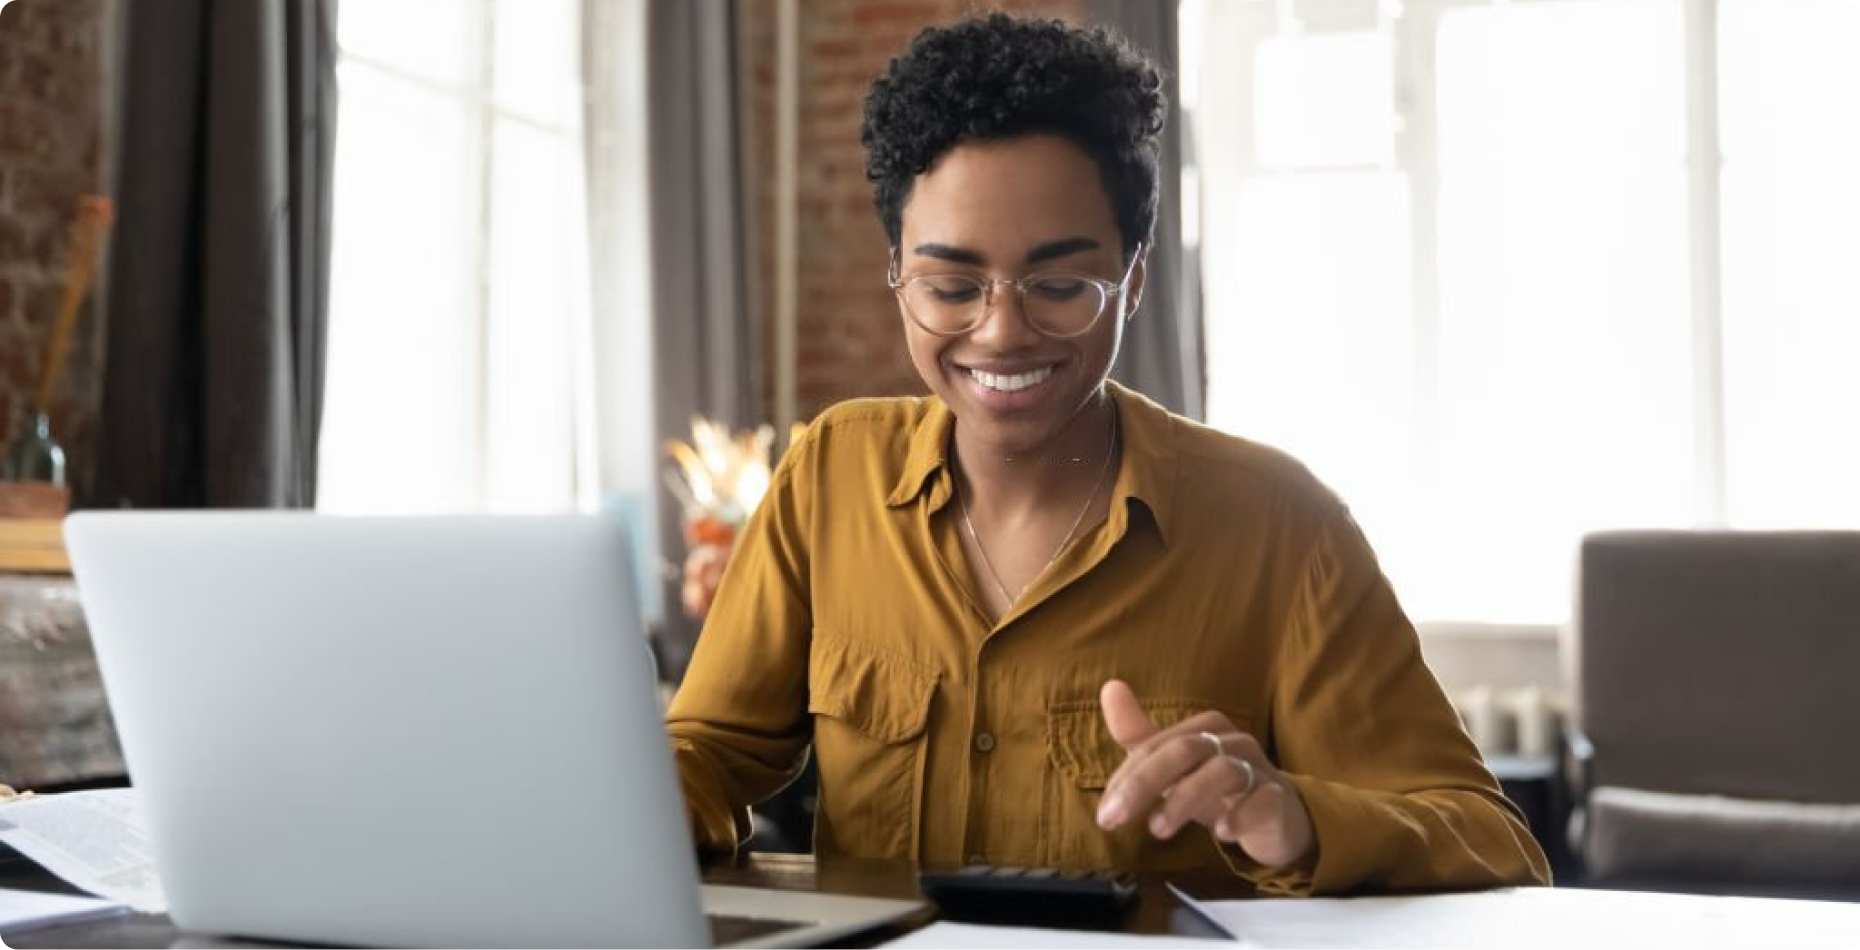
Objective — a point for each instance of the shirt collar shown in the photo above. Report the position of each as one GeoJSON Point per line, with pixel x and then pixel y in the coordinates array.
{"type": "Point", "coordinates": [928, 454]}
{"type": "Point", "coordinates": [1147, 473]}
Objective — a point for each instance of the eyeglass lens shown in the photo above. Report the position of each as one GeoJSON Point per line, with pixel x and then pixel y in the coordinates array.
{"type": "Point", "coordinates": [1056, 304]}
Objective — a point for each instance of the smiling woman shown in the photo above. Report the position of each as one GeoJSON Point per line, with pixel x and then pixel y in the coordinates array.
{"type": "Point", "coordinates": [1035, 618]}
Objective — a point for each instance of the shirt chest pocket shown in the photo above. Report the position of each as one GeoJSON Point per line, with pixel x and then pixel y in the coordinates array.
{"type": "Point", "coordinates": [870, 708]}
{"type": "Point", "coordinates": [1082, 758]}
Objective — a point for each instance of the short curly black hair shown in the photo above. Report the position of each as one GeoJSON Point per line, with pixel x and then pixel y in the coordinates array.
{"type": "Point", "coordinates": [998, 77]}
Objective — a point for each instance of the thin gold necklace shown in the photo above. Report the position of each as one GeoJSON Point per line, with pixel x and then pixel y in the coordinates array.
{"type": "Point", "coordinates": [1110, 449]}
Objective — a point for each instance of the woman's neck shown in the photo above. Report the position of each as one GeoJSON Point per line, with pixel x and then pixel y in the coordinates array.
{"type": "Point", "coordinates": [1053, 472]}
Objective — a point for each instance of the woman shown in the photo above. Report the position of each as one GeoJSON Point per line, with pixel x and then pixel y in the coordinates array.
{"type": "Point", "coordinates": [1035, 619]}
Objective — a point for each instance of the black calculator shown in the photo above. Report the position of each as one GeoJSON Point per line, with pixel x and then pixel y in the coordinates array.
{"type": "Point", "coordinates": [982, 892]}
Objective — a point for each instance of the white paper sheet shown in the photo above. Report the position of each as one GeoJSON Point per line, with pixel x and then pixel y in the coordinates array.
{"type": "Point", "coordinates": [21, 911]}
{"type": "Point", "coordinates": [1538, 917]}
{"type": "Point", "coordinates": [96, 841]}
{"type": "Point", "coordinates": [963, 936]}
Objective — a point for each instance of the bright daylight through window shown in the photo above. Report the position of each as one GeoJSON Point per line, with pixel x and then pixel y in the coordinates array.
{"type": "Point", "coordinates": [459, 316]}
{"type": "Point", "coordinates": [1506, 273]}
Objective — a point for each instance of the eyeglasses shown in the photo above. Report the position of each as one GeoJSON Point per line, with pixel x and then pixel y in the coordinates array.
{"type": "Point", "coordinates": [1058, 303]}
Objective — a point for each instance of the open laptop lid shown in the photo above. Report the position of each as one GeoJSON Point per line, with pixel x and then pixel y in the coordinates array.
{"type": "Point", "coordinates": [403, 731]}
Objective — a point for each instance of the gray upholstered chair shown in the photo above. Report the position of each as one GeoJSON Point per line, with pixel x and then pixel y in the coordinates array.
{"type": "Point", "coordinates": [1717, 711]}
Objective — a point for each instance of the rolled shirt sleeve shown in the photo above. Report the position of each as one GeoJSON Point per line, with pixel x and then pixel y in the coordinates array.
{"type": "Point", "coordinates": [1398, 795]}
{"type": "Point", "coordinates": [738, 724]}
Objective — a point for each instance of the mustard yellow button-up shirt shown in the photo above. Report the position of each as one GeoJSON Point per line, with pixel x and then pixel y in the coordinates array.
{"type": "Point", "coordinates": [1225, 577]}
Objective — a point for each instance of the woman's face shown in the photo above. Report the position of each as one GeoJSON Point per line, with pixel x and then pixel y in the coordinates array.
{"type": "Point", "coordinates": [1003, 209]}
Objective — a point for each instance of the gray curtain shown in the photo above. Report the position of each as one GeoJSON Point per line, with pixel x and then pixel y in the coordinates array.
{"type": "Point", "coordinates": [1163, 356]}
{"type": "Point", "coordinates": [220, 261]}
{"type": "Point", "coordinates": [704, 331]}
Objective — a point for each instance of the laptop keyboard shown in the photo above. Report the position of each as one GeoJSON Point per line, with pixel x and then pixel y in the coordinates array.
{"type": "Point", "coordinates": [726, 929]}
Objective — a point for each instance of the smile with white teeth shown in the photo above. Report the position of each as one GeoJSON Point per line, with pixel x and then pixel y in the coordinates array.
{"type": "Point", "coordinates": [1014, 383]}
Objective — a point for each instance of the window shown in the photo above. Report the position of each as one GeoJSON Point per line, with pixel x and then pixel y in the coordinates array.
{"type": "Point", "coordinates": [1483, 270]}
{"type": "Point", "coordinates": [460, 341]}
{"type": "Point", "coordinates": [1791, 213]}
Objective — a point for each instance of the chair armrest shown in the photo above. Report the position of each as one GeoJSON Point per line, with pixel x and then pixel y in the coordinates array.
{"type": "Point", "coordinates": [1576, 760]}
{"type": "Point", "coordinates": [1575, 765]}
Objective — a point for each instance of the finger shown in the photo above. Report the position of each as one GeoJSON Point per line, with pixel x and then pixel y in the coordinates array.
{"type": "Point", "coordinates": [1193, 726]}
{"type": "Point", "coordinates": [1250, 813]}
{"type": "Point", "coordinates": [1205, 721]}
{"type": "Point", "coordinates": [1123, 715]}
{"type": "Point", "coordinates": [1206, 795]}
{"type": "Point", "coordinates": [1139, 782]}
{"type": "Point", "coordinates": [1259, 825]}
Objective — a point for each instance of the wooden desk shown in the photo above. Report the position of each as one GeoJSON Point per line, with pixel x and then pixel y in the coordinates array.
{"type": "Point", "coordinates": [1157, 910]}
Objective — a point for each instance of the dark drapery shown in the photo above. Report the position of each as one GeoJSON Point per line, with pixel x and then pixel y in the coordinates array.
{"type": "Point", "coordinates": [220, 261]}
{"type": "Point", "coordinates": [704, 331]}
{"type": "Point", "coordinates": [1162, 355]}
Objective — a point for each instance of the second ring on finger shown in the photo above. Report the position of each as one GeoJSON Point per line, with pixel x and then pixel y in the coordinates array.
{"type": "Point", "coordinates": [1206, 792]}
{"type": "Point", "coordinates": [1245, 767]}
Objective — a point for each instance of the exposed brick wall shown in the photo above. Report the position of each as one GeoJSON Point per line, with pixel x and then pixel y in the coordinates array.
{"type": "Point", "coordinates": [850, 341]}
{"type": "Point", "coordinates": [51, 148]}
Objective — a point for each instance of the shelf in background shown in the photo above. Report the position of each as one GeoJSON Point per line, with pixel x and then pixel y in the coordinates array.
{"type": "Point", "coordinates": [33, 546]}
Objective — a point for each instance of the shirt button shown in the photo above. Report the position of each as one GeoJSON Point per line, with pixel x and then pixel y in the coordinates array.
{"type": "Point", "coordinates": [984, 742]}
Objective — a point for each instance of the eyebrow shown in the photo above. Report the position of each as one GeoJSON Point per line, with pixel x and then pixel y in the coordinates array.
{"type": "Point", "coordinates": [1064, 248]}
{"type": "Point", "coordinates": [958, 255]}
{"type": "Point", "coordinates": [1051, 250]}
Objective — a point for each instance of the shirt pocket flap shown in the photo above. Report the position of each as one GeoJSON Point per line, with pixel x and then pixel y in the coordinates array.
{"type": "Point", "coordinates": [881, 694]}
{"type": "Point", "coordinates": [1080, 746]}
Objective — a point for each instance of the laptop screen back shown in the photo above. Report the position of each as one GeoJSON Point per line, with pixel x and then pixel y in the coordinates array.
{"type": "Point", "coordinates": [419, 731]}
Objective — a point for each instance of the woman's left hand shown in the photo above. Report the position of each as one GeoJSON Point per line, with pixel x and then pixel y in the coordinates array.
{"type": "Point", "coordinates": [1203, 770]}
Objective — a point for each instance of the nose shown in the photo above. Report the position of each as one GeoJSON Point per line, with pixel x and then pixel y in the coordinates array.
{"type": "Point", "coordinates": [1004, 327]}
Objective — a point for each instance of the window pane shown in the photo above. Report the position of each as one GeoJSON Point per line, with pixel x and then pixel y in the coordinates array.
{"type": "Point", "coordinates": [1564, 378]}
{"type": "Point", "coordinates": [429, 38]}
{"type": "Point", "coordinates": [1324, 100]}
{"type": "Point", "coordinates": [538, 291]}
{"type": "Point", "coordinates": [1552, 83]}
{"type": "Point", "coordinates": [398, 426]}
{"type": "Point", "coordinates": [1791, 212]}
{"type": "Point", "coordinates": [536, 69]}
{"type": "Point", "coordinates": [1312, 350]}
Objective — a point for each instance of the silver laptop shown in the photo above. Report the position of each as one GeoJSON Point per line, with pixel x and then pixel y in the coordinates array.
{"type": "Point", "coordinates": [434, 731]}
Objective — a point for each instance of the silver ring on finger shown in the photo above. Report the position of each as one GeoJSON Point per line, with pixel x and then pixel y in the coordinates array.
{"type": "Point", "coordinates": [1215, 741]}
{"type": "Point", "coordinates": [1252, 774]}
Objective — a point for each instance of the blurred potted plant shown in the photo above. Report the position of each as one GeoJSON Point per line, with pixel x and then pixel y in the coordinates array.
{"type": "Point", "coordinates": [719, 479]}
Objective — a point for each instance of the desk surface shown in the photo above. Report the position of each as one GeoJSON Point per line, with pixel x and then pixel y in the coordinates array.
{"type": "Point", "coordinates": [1157, 911]}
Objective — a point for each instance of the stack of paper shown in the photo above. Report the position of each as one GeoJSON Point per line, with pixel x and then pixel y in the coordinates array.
{"type": "Point", "coordinates": [96, 841]}
{"type": "Point", "coordinates": [1516, 918]}
{"type": "Point", "coordinates": [1538, 917]}
{"type": "Point", "coordinates": [21, 911]}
